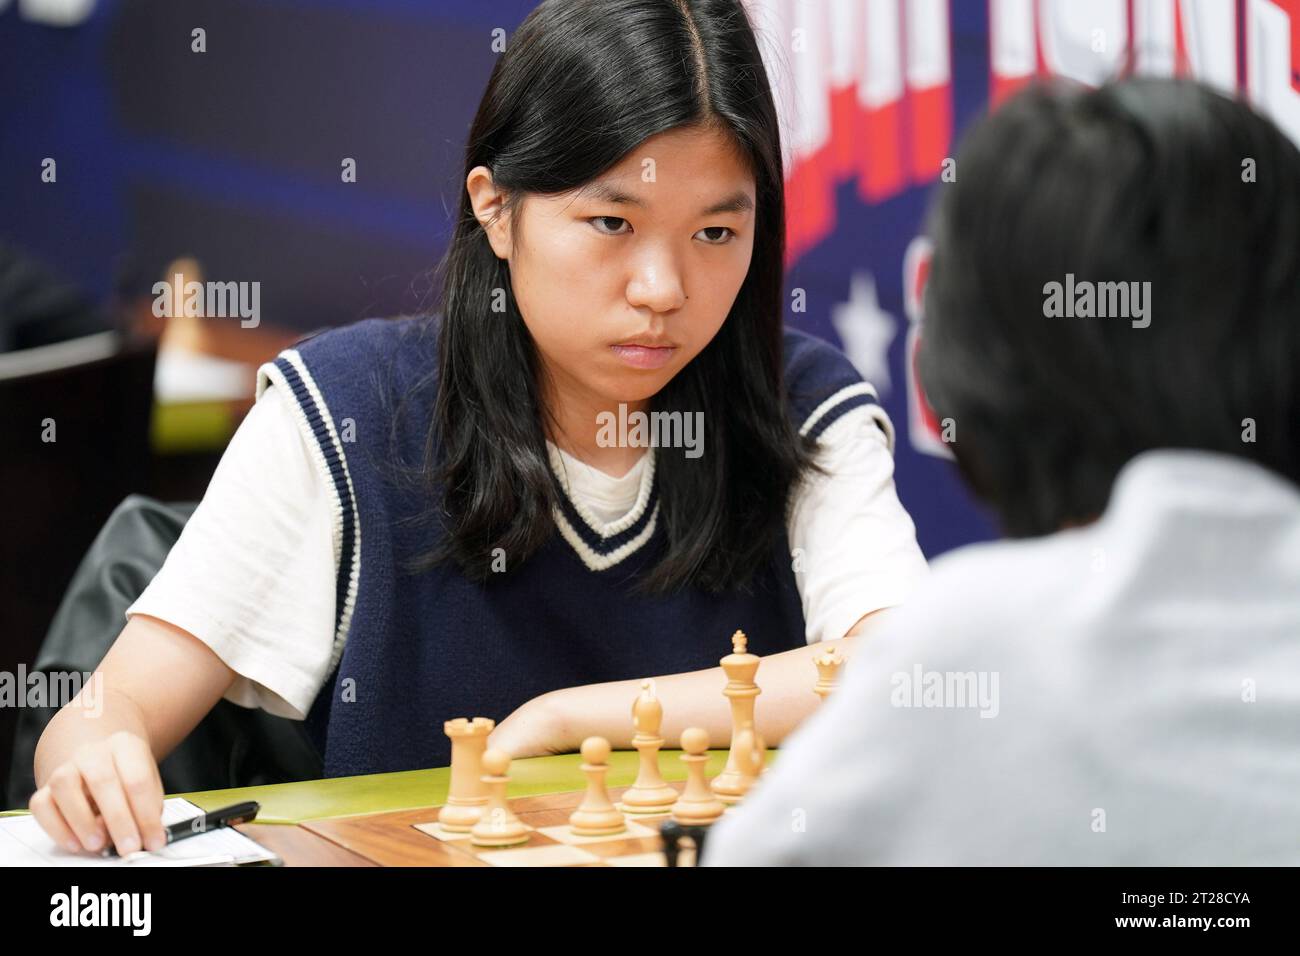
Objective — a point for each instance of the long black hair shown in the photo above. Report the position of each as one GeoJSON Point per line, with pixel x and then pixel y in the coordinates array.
{"type": "Point", "coordinates": [581, 84]}
{"type": "Point", "coordinates": [1142, 180]}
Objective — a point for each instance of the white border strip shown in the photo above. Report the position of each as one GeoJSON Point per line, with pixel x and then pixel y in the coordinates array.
{"type": "Point", "coordinates": [601, 562]}
{"type": "Point", "coordinates": [267, 374]}
{"type": "Point", "coordinates": [849, 391]}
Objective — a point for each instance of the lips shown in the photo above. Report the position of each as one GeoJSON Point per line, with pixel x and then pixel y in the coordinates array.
{"type": "Point", "coordinates": [650, 342]}
{"type": "Point", "coordinates": [640, 355]}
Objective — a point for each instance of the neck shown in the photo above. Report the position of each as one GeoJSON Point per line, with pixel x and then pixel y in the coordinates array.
{"type": "Point", "coordinates": [573, 422]}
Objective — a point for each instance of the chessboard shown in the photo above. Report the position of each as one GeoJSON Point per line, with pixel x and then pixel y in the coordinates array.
{"type": "Point", "coordinates": [415, 838]}
{"type": "Point", "coordinates": [479, 825]}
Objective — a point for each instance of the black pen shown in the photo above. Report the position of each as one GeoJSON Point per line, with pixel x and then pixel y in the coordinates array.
{"type": "Point", "coordinates": [225, 817]}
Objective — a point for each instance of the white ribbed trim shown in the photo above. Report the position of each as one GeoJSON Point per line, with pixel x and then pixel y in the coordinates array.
{"type": "Point", "coordinates": [820, 412]}
{"type": "Point", "coordinates": [599, 562]}
{"type": "Point", "coordinates": [851, 391]}
{"type": "Point", "coordinates": [268, 374]}
{"type": "Point", "coordinates": [592, 559]}
{"type": "Point", "coordinates": [596, 525]}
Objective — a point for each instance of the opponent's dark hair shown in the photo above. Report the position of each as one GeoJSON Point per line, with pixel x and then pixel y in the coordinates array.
{"type": "Point", "coordinates": [1139, 180]}
{"type": "Point", "coordinates": [581, 84]}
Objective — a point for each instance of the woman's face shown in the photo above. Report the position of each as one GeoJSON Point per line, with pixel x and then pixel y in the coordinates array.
{"type": "Point", "coordinates": [623, 281]}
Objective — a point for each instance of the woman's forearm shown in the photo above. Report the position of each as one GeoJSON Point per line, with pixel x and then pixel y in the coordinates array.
{"type": "Point", "coordinates": [77, 724]}
{"type": "Point", "coordinates": [695, 699]}
{"type": "Point", "coordinates": [156, 682]}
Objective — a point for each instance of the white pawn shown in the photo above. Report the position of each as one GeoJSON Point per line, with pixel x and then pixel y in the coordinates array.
{"type": "Point", "coordinates": [697, 805]}
{"type": "Point", "coordinates": [498, 825]}
{"type": "Point", "coordinates": [597, 815]}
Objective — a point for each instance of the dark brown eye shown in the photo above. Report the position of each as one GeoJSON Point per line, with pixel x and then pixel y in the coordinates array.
{"type": "Point", "coordinates": [606, 220]}
{"type": "Point", "coordinates": [718, 240]}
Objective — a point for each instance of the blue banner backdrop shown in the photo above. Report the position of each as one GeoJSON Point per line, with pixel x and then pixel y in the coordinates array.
{"type": "Point", "coordinates": [234, 155]}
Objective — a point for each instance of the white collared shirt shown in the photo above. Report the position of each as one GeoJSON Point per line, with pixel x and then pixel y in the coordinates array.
{"type": "Point", "coordinates": [1126, 693]}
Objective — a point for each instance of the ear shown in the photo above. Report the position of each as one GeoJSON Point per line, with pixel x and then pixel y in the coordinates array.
{"type": "Point", "coordinates": [488, 204]}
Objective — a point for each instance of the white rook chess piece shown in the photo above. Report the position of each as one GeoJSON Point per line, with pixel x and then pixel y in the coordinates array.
{"type": "Point", "coordinates": [740, 668]}
{"type": "Point", "coordinates": [498, 826]}
{"type": "Point", "coordinates": [649, 794]}
{"type": "Point", "coordinates": [466, 794]}
{"type": "Point", "coordinates": [597, 815]}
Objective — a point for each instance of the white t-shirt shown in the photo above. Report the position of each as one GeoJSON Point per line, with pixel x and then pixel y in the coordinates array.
{"type": "Point", "coordinates": [253, 573]}
{"type": "Point", "coordinates": [1146, 709]}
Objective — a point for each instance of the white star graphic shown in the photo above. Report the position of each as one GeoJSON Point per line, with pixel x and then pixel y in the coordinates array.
{"type": "Point", "coordinates": [866, 330]}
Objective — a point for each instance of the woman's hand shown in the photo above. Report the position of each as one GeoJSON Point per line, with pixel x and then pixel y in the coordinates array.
{"type": "Point", "coordinates": [96, 767]}
{"type": "Point", "coordinates": [535, 729]}
{"type": "Point", "coordinates": [108, 793]}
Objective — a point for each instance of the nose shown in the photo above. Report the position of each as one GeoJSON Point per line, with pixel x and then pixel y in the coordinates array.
{"type": "Point", "coordinates": [656, 284]}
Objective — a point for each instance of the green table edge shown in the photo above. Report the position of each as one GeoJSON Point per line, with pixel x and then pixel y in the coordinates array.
{"type": "Point", "coordinates": [304, 800]}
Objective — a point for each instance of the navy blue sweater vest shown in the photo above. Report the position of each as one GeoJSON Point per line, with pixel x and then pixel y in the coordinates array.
{"type": "Point", "coordinates": [415, 649]}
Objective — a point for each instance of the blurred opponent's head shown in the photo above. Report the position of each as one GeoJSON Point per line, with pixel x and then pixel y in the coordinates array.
{"type": "Point", "coordinates": [1115, 270]}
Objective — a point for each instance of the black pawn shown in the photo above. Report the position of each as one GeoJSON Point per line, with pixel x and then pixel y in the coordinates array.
{"type": "Point", "coordinates": [671, 833]}
{"type": "Point", "coordinates": [697, 835]}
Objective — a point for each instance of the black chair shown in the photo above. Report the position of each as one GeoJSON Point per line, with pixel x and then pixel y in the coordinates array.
{"type": "Point", "coordinates": [232, 746]}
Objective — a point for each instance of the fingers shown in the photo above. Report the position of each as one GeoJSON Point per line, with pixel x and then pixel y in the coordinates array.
{"type": "Point", "coordinates": [109, 793]}
{"type": "Point", "coordinates": [99, 772]}
{"type": "Point", "coordinates": [47, 814]}
{"type": "Point", "coordinates": [138, 773]}
{"type": "Point", "coordinates": [69, 794]}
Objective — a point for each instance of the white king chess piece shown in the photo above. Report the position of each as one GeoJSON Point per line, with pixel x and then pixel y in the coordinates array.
{"type": "Point", "coordinates": [740, 667]}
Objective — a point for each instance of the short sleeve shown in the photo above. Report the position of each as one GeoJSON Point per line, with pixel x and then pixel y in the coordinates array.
{"type": "Point", "coordinates": [252, 575]}
{"type": "Point", "coordinates": [853, 545]}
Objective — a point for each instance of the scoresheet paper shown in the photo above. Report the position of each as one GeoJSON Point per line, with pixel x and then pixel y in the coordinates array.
{"type": "Point", "coordinates": [24, 843]}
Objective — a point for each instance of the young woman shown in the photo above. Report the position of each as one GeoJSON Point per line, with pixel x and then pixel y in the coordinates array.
{"type": "Point", "coordinates": [427, 518]}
